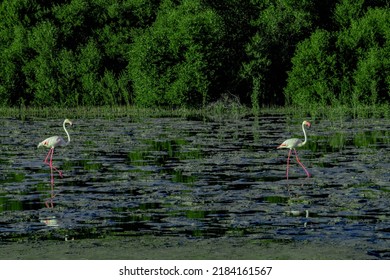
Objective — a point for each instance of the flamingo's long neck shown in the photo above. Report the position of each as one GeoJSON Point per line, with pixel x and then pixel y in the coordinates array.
{"type": "Point", "coordinates": [304, 133]}
{"type": "Point", "coordinates": [67, 133]}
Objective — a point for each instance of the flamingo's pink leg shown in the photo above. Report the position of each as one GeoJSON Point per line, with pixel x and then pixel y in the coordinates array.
{"type": "Point", "coordinates": [288, 161]}
{"type": "Point", "coordinates": [59, 171]}
{"type": "Point", "coordinates": [49, 202]}
{"type": "Point", "coordinates": [300, 163]}
{"type": "Point", "coordinates": [48, 154]}
{"type": "Point", "coordinates": [51, 171]}
{"type": "Point", "coordinates": [51, 151]}
{"type": "Point", "coordinates": [49, 163]}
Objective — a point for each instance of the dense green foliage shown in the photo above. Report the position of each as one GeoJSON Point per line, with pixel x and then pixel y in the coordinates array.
{"type": "Point", "coordinates": [194, 52]}
{"type": "Point", "coordinates": [175, 60]}
{"type": "Point", "coordinates": [350, 66]}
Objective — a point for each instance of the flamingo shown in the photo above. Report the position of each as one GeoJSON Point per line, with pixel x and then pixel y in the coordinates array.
{"type": "Point", "coordinates": [52, 142]}
{"type": "Point", "coordinates": [293, 143]}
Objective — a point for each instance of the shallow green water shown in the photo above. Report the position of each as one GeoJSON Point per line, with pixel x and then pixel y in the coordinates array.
{"type": "Point", "coordinates": [196, 178]}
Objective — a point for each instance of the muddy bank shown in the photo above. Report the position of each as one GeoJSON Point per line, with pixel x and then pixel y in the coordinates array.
{"type": "Point", "coordinates": [181, 248]}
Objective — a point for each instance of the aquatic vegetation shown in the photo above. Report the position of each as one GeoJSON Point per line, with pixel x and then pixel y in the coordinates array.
{"type": "Point", "coordinates": [179, 176]}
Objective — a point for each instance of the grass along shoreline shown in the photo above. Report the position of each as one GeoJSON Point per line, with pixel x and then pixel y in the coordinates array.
{"type": "Point", "coordinates": [217, 109]}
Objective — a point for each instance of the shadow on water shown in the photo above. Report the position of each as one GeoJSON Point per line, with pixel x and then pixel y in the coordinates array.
{"type": "Point", "coordinates": [199, 179]}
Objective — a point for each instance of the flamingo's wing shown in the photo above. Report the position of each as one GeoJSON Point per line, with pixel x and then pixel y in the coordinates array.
{"type": "Point", "coordinates": [290, 143]}
{"type": "Point", "coordinates": [52, 142]}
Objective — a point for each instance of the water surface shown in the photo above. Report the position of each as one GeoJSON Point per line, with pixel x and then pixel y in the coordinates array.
{"type": "Point", "coordinates": [199, 178]}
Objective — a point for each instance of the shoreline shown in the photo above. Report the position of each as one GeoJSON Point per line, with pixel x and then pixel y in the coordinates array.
{"type": "Point", "coordinates": [182, 248]}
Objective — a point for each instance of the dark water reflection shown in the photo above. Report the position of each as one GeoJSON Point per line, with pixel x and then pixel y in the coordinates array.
{"type": "Point", "coordinates": [196, 178]}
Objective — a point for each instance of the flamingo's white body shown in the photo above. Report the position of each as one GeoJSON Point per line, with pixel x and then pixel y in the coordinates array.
{"type": "Point", "coordinates": [52, 142]}
{"type": "Point", "coordinates": [295, 143]}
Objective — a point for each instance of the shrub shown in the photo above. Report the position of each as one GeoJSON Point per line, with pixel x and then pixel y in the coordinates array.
{"type": "Point", "coordinates": [173, 62]}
